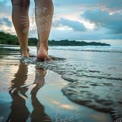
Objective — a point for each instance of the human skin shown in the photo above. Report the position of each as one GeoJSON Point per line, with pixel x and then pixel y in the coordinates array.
{"type": "Point", "coordinates": [43, 16]}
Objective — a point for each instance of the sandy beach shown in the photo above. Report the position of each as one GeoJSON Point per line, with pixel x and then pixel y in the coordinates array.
{"type": "Point", "coordinates": [60, 90]}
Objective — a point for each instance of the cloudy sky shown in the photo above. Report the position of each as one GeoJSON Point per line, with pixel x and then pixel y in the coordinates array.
{"type": "Point", "coordinates": [76, 19]}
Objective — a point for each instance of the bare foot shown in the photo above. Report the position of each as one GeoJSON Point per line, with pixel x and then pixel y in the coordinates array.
{"type": "Point", "coordinates": [42, 54]}
{"type": "Point", "coordinates": [25, 53]}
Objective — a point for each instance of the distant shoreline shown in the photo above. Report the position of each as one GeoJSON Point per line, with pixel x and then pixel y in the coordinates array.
{"type": "Point", "coordinates": [59, 43]}
{"type": "Point", "coordinates": [76, 43]}
{"type": "Point", "coordinates": [9, 39]}
{"type": "Point", "coordinates": [8, 45]}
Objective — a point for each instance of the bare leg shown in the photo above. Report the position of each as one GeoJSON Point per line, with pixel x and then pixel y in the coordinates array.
{"type": "Point", "coordinates": [21, 23]}
{"type": "Point", "coordinates": [44, 12]}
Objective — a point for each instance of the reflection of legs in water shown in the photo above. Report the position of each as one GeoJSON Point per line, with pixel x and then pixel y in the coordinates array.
{"type": "Point", "coordinates": [19, 111]}
{"type": "Point", "coordinates": [44, 13]}
{"type": "Point", "coordinates": [20, 78]}
{"type": "Point", "coordinates": [39, 78]}
{"type": "Point", "coordinates": [19, 12]}
{"type": "Point", "coordinates": [38, 113]}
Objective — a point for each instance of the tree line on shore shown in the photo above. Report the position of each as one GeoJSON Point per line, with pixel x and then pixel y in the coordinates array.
{"type": "Point", "coordinates": [6, 38]}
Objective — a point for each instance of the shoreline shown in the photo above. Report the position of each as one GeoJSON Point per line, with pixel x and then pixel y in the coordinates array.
{"type": "Point", "coordinates": [47, 95]}
{"type": "Point", "coordinates": [18, 89]}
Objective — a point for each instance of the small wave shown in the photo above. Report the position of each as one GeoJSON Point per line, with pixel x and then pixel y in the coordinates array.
{"type": "Point", "coordinates": [106, 51]}
{"type": "Point", "coordinates": [112, 51]}
{"type": "Point", "coordinates": [63, 67]}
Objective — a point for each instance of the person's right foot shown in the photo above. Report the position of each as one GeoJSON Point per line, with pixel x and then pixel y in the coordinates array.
{"type": "Point", "coordinates": [42, 54]}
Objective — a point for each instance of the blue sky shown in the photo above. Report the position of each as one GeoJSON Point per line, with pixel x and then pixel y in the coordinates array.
{"type": "Point", "coordinates": [76, 19]}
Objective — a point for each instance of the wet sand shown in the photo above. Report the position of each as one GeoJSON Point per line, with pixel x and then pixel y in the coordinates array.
{"type": "Point", "coordinates": [30, 94]}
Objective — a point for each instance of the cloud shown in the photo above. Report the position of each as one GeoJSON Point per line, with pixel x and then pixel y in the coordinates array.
{"type": "Point", "coordinates": [101, 19]}
{"type": "Point", "coordinates": [5, 21]}
{"type": "Point", "coordinates": [74, 25]}
{"type": "Point", "coordinates": [88, 35]}
{"type": "Point", "coordinates": [76, 19]}
{"type": "Point", "coordinates": [5, 7]}
{"type": "Point", "coordinates": [112, 4]}
{"type": "Point", "coordinates": [109, 4]}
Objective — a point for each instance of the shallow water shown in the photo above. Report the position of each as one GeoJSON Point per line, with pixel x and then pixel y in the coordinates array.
{"type": "Point", "coordinates": [101, 66]}
{"type": "Point", "coordinates": [97, 70]}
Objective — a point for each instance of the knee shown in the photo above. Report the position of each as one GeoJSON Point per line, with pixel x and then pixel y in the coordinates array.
{"type": "Point", "coordinates": [21, 3]}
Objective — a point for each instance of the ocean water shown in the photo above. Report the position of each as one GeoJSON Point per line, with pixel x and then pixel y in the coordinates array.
{"type": "Point", "coordinates": [89, 61]}
{"type": "Point", "coordinates": [94, 74]}
{"type": "Point", "coordinates": [86, 61]}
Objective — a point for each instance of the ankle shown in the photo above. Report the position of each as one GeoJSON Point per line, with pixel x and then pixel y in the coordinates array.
{"type": "Point", "coordinates": [24, 52]}
{"type": "Point", "coordinates": [24, 49]}
{"type": "Point", "coordinates": [42, 46]}
{"type": "Point", "coordinates": [42, 53]}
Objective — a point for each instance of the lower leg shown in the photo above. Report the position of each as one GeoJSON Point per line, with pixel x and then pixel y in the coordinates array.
{"type": "Point", "coordinates": [43, 14]}
{"type": "Point", "coordinates": [21, 23]}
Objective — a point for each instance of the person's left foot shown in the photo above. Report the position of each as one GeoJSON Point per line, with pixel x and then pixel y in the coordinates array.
{"type": "Point", "coordinates": [25, 53]}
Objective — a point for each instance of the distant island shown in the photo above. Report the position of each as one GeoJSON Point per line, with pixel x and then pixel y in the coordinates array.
{"type": "Point", "coordinates": [75, 43]}
{"type": "Point", "coordinates": [6, 38]}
